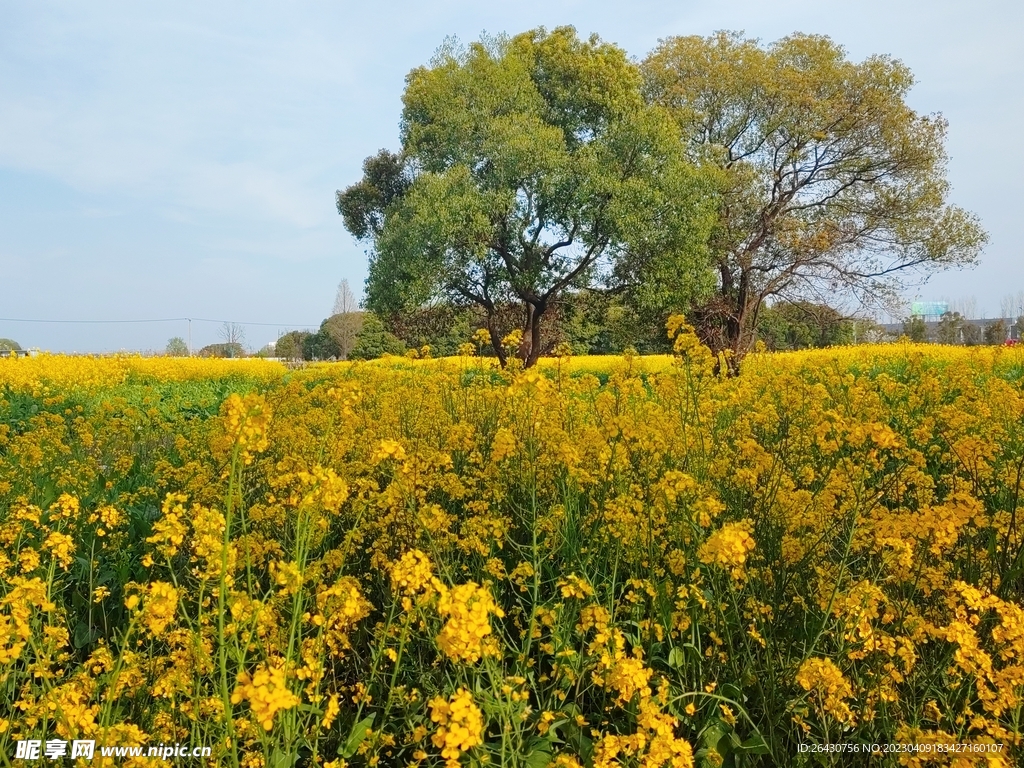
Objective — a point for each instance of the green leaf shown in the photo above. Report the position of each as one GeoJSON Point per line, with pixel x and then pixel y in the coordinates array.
{"type": "Point", "coordinates": [711, 735]}
{"type": "Point", "coordinates": [280, 759]}
{"type": "Point", "coordinates": [677, 658]}
{"type": "Point", "coordinates": [83, 635]}
{"type": "Point", "coordinates": [356, 736]}
{"type": "Point", "coordinates": [731, 691]}
{"type": "Point", "coordinates": [715, 736]}
{"type": "Point", "coordinates": [539, 757]}
{"type": "Point", "coordinates": [755, 745]}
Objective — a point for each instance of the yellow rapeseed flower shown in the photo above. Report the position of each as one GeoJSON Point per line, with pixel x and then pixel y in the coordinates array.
{"type": "Point", "coordinates": [460, 725]}
{"type": "Point", "coordinates": [267, 692]}
{"type": "Point", "coordinates": [467, 608]}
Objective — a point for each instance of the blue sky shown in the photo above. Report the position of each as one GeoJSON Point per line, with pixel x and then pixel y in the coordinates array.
{"type": "Point", "coordinates": [173, 160]}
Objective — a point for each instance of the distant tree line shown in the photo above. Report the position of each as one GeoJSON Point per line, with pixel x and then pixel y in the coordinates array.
{"type": "Point", "coordinates": [594, 323]}
{"type": "Point", "coordinates": [337, 339]}
{"type": "Point", "coordinates": [590, 323]}
{"type": "Point", "coordinates": [954, 328]}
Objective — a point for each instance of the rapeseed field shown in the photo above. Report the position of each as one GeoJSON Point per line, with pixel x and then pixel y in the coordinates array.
{"type": "Point", "coordinates": [598, 562]}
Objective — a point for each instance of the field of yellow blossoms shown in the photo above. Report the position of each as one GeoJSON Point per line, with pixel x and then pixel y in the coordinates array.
{"type": "Point", "coordinates": [599, 562]}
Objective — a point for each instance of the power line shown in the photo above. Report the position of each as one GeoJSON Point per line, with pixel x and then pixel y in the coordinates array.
{"type": "Point", "coordinates": [24, 320]}
{"type": "Point", "coordinates": [157, 320]}
{"type": "Point", "coordinates": [242, 322]}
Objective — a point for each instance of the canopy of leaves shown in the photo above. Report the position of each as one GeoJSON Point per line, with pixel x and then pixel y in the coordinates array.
{"type": "Point", "coordinates": [996, 332]}
{"type": "Point", "coordinates": [290, 345]}
{"type": "Point", "coordinates": [530, 166]}
{"type": "Point", "coordinates": [176, 347]}
{"type": "Point", "coordinates": [320, 346]}
{"type": "Point", "coordinates": [227, 349]}
{"type": "Point", "coordinates": [830, 185]}
{"type": "Point", "coordinates": [915, 329]}
{"type": "Point", "coordinates": [9, 345]}
{"type": "Point", "coordinates": [374, 340]}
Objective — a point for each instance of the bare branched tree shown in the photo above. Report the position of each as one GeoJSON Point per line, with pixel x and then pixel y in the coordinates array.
{"type": "Point", "coordinates": [345, 301]}
{"type": "Point", "coordinates": [1012, 305]}
{"type": "Point", "coordinates": [966, 306]}
{"type": "Point", "coordinates": [1006, 306]}
{"type": "Point", "coordinates": [233, 336]}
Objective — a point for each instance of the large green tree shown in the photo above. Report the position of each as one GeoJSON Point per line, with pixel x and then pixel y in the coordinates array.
{"type": "Point", "coordinates": [832, 187]}
{"type": "Point", "coordinates": [530, 166]}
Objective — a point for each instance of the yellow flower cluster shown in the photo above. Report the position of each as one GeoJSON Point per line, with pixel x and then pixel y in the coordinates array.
{"type": "Point", "coordinates": [266, 691]}
{"type": "Point", "coordinates": [729, 547]}
{"type": "Point", "coordinates": [61, 547]}
{"type": "Point", "coordinates": [339, 608]}
{"type": "Point", "coordinates": [829, 688]}
{"type": "Point", "coordinates": [413, 575]}
{"type": "Point", "coordinates": [573, 586]}
{"type": "Point", "coordinates": [108, 518]}
{"type": "Point", "coordinates": [169, 531]}
{"type": "Point", "coordinates": [57, 373]}
{"type": "Point", "coordinates": [208, 543]}
{"type": "Point", "coordinates": [159, 607]}
{"type": "Point", "coordinates": [388, 449]}
{"type": "Point", "coordinates": [460, 725]}
{"type": "Point", "coordinates": [23, 595]}
{"type": "Point", "coordinates": [246, 419]}
{"type": "Point", "coordinates": [655, 744]}
{"type": "Point", "coordinates": [467, 608]}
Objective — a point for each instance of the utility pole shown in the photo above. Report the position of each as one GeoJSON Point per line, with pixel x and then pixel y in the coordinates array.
{"type": "Point", "coordinates": [189, 336]}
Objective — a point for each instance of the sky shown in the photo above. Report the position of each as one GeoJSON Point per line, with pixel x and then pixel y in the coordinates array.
{"type": "Point", "coordinates": [162, 161]}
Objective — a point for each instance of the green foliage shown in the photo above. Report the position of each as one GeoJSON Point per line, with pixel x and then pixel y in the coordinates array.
{"type": "Point", "coordinates": [803, 325]}
{"type": "Point", "coordinates": [320, 346]}
{"type": "Point", "coordinates": [582, 323]}
{"type": "Point", "coordinates": [995, 333]}
{"type": "Point", "coordinates": [227, 349]}
{"type": "Point", "coordinates": [290, 345]}
{"type": "Point", "coordinates": [374, 340]}
{"type": "Point", "coordinates": [828, 180]}
{"type": "Point", "coordinates": [442, 328]}
{"type": "Point", "coordinates": [363, 205]}
{"type": "Point", "coordinates": [950, 328]}
{"type": "Point", "coordinates": [971, 334]}
{"type": "Point", "coordinates": [530, 166]}
{"type": "Point", "coordinates": [915, 329]}
{"type": "Point", "coordinates": [9, 345]}
{"type": "Point", "coordinates": [596, 323]}
{"type": "Point", "coordinates": [953, 328]}
{"type": "Point", "coordinates": [176, 347]}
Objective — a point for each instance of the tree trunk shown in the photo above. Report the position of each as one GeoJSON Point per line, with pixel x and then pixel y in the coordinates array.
{"type": "Point", "coordinates": [725, 325]}
{"type": "Point", "coordinates": [499, 350]}
{"type": "Point", "coordinates": [532, 331]}
{"type": "Point", "coordinates": [738, 318]}
{"type": "Point", "coordinates": [530, 347]}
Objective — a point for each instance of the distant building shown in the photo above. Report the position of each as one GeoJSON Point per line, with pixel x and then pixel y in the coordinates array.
{"type": "Point", "coordinates": [929, 310]}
